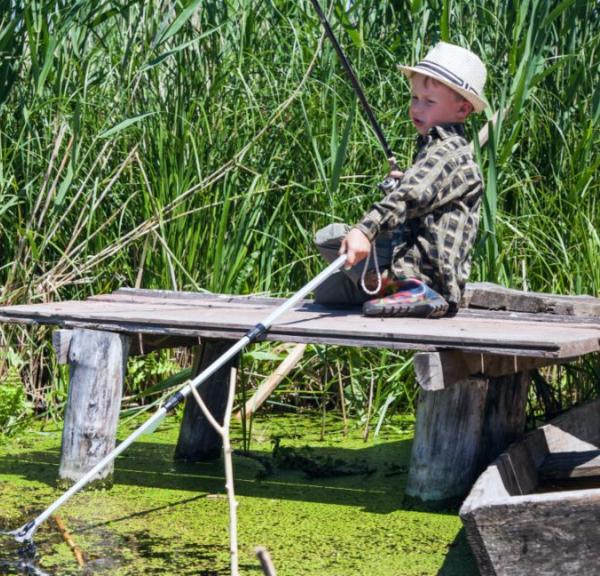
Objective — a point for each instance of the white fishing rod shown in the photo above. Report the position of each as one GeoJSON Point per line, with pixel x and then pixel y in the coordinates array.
{"type": "Point", "coordinates": [25, 533]}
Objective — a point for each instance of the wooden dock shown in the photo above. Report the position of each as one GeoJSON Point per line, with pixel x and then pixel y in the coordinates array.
{"type": "Point", "coordinates": [192, 315]}
{"type": "Point", "coordinates": [473, 368]}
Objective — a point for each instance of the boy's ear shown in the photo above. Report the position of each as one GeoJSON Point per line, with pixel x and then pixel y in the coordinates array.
{"type": "Point", "coordinates": [464, 109]}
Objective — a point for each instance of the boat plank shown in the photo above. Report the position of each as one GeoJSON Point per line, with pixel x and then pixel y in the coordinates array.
{"type": "Point", "coordinates": [516, 524]}
{"type": "Point", "coordinates": [560, 465]}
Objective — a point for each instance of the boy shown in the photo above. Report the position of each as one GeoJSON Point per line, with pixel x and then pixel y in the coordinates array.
{"type": "Point", "coordinates": [424, 228]}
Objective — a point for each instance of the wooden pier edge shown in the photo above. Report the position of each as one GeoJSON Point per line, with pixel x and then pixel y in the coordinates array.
{"type": "Point", "coordinates": [474, 379]}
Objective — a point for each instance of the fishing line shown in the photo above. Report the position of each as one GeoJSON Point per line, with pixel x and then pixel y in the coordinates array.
{"type": "Point", "coordinates": [356, 85]}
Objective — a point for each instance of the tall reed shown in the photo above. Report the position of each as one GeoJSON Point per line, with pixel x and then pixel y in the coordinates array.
{"type": "Point", "coordinates": [124, 156]}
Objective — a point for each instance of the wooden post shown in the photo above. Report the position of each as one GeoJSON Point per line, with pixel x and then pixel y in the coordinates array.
{"type": "Point", "coordinates": [198, 440]}
{"type": "Point", "coordinates": [97, 369]}
{"type": "Point", "coordinates": [505, 416]}
{"type": "Point", "coordinates": [462, 428]}
{"type": "Point", "coordinates": [445, 448]}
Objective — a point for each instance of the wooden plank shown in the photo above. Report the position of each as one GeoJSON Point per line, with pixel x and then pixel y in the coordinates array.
{"type": "Point", "coordinates": [172, 295]}
{"type": "Point", "coordinates": [492, 296]}
{"type": "Point", "coordinates": [537, 536]}
{"type": "Point", "coordinates": [447, 333]}
{"type": "Point", "coordinates": [314, 323]}
{"type": "Point", "coordinates": [160, 297]}
{"type": "Point", "coordinates": [436, 371]}
{"type": "Point", "coordinates": [169, 336]}
{"type": "Point", "coordinates": [571, 465]}
{"type": "Point", "coordinates": [549, 319]}
{"type": "Point", "coordinates": [485, 295]}
{"type": "Point", "coordinates": [397, 342]}
{"type": "Point", "coordinates": [200, 301]}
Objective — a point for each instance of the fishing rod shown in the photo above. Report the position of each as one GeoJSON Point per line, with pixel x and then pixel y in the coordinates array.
{"type": "Point", "coordinates": [356, 85]}
{"type": "Point", "coordinates": [25, 533]}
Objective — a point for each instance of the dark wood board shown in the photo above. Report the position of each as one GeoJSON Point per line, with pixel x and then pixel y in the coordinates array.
{"type": "Point", "coordinates": [161, 297]}
{"type": "Point", "coordinates": [478, 296]}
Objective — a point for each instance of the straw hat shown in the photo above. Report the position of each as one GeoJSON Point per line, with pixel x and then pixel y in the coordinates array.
{"type": "Point", "coordinates": [457, 68]}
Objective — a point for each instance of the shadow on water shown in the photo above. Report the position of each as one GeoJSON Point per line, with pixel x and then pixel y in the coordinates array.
{"type": "Point", "coordinates": [460, 560]}
{"type": "Point", "coordinates": [16, 558]}
{"type": "Point", "coordinates": [151, 465]}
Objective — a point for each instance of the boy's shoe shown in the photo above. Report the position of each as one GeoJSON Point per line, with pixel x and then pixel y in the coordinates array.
{"type": "Point", "coordinates": [387, 286]}
{"type": "Point", "coordinates": [412, 298]}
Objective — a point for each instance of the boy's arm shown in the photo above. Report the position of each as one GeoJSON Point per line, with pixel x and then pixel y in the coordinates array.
{"type": "Point", "coordinates": [428, 184]}
{"type": "Point", "coordinates": [356, 244]}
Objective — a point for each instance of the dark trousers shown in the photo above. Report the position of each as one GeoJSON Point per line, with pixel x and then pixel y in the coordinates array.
{"type": "Point", "coordinates": [343, 288]}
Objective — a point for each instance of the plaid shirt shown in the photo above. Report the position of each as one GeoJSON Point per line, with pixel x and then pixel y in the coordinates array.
{"type": "Point", "coordinates": [433, 213]}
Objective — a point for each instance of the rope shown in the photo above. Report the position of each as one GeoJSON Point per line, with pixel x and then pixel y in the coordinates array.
{"type": "Point", "coordinates": [377, 272]}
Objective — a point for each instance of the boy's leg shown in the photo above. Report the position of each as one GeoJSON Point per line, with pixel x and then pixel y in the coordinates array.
{"type": "Point", "coordinates": [343, 288]}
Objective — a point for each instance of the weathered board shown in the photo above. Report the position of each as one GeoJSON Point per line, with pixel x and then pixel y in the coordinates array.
{"type": "Point", "coordinates": [494, 297]}
{"type": "Point", "coordinates": [193, 315]}
{"type": "Point", "coordinates": [440, 370]}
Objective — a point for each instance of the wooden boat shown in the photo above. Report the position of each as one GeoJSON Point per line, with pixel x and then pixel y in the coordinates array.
{"type": "Point", "coordinates": [536, 509]}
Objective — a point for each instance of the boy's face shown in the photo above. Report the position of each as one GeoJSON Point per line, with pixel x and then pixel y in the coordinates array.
{"type": "Point", "coordinates": [433, 103]}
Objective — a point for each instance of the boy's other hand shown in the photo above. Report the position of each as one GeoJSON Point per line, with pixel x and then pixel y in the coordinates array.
{"type": "Point", "coordinates": [356, 245]}
{"type": "Point", "coordinates": [391, 181]}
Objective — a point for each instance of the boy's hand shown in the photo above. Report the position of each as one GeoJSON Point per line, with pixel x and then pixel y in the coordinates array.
{"type": "Point", "coordinates": [391, 181]}
{"type": "Point", "coordinates": [356, 245]}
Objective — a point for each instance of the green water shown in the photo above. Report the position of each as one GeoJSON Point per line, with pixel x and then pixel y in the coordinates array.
{"type": "Point", "coordinates": [163, 517]}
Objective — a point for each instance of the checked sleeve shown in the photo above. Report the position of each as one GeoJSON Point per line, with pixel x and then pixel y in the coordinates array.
{"type": "Point", "coordinates": [428, 184]}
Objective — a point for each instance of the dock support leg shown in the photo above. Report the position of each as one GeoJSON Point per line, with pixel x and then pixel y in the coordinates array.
{"type": "Point", "coordinates": [198, 440]}
{"type": "Point", "coordinates": [97, 363]}
{"type": "Point", "coordinates": [460, 430]}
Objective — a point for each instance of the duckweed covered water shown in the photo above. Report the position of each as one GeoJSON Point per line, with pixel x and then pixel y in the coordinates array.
{"type": "Point", "coordinates": [328, 507]}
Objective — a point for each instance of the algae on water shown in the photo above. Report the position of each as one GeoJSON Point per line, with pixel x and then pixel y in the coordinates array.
{"type": "Point", "coordinates": [327, 508]}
